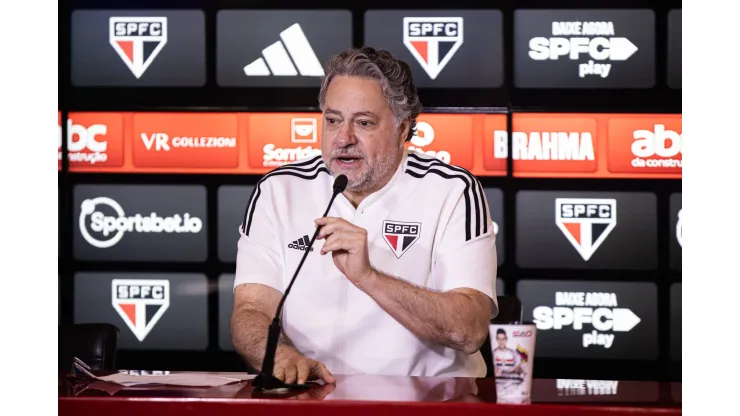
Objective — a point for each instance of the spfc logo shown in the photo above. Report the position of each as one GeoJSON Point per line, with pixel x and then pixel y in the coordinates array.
{"type": "Point", "coordinates": [586, 222]}
{"type": "Point", "coordinates": [138, 40]}
{"type": "Point", "coordinates": [400, 236]}
{"type": "Point", "coordinates": [433, 40]}
{"type": "Point", "coordinates": [141, 303]}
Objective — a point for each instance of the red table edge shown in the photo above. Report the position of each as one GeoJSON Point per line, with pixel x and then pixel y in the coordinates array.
{"type": "Point", "coordinates": [164, 406]}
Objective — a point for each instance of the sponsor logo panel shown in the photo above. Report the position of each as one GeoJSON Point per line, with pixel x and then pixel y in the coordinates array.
{"type": "Point", "coordinates": [140, 223]}
{"type": "Point", "coordinates": [154, 311]}
{"type": "Point", "coordinates": [278, 48]}
{"type": "Point", "coordinates": [676, 232]}
{"type": "Point", "coordinates": [448, 137]}
{"type": "Point", "coordinates": [676, 321]}
{"type": "Point", "coordinates": [675, 49]}
{"type": "Point", "coordinates": [279, 138]}
{"type": "Point", "coordinates": [95, 141]}
{"type": "Point", "coordinates": [586, 230]}
{"type": "Point", "coordinates": [232, 201]}
{"type": "Point", "coordinates": [186, 140]}
{"type": "Point", "coordinates": [584, 48]}
{"type": "Point", "coordinates": [599, 320]}
{"type": "Point", "coordinates": [554, 143]}
{"type": "Point", "coordinates": [138, 48]}
{"type": "Point", "coordinates": [445, 48]}
{"type": "Point", "coordinates": [645, 144]}
{"type": "Point", "coordinates": [593, 145]}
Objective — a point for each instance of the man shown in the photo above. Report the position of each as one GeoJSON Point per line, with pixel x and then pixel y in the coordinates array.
{"type": "Point", "coordinates": [400, 280]}
{"type": "Point", "coordinates": [507, 363]}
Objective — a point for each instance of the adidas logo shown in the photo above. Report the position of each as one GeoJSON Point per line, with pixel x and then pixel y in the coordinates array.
{"type": "Point", "coordinates": [301, 243]}
{"type": "Point", "coordinates": [278, 58]}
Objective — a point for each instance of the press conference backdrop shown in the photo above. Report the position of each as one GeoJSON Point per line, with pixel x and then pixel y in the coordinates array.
{"type": "Point", "coordinates": [569, 114]}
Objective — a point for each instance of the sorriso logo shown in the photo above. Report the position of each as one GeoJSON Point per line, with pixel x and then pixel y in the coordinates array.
{"type": "Point", "coordinates": [113, 227]}
{"type": "Point", "coordinates": [277, 139]}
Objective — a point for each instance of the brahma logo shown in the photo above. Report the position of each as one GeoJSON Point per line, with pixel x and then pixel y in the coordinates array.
{"type": "Point", "coordinates": [112, 227]}
{"type": "Point", "coordinates": [545, 145]}
{"type": "Point", "coordinates": [597, 309]}
{"type": "Point", "coordinates": [140, 303]}
{"type": "Point", "coordinates": [424, 137]}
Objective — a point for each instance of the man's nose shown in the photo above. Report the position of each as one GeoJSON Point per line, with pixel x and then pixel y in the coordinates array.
{"type": "Point", "coordinates": [346, 136]}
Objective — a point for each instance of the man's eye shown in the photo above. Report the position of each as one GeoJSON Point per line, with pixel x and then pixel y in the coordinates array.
{"type": "Point", "coordinates": [366, 123]}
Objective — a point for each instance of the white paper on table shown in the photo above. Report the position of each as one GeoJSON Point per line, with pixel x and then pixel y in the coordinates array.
{"type": "Point", "coordinates": [192, 379]}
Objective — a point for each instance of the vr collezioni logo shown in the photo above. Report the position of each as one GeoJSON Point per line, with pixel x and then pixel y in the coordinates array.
{"type": "Point", "coordinates": [571, 40]}
{"type": "Point", "coordinates": [112, 227]}
{"type": "Point", "coordinates": [598, 309]}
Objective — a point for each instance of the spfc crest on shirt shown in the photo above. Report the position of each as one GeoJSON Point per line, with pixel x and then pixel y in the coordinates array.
{"type": "Point", "coordinates": [400, 236]}
{"type": "Point", "coordinates": [586, 222]}
{"type": "Point", "coordinates": [138, 40]}
{"type": "Point", "coordinates": [140, 303]}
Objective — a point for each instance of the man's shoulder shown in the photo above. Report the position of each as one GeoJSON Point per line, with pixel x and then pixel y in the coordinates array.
{"type": "Point", "coordinates": [301, 174]}
{"type": "Point", "coordinates": [430, 171]}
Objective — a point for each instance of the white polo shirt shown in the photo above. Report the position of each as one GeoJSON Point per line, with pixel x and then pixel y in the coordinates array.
{"type": "Point", "coordinates": [430, 226]}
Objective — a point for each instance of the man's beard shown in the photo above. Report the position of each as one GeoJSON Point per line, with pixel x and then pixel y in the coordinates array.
{"type": "Point", "coordinates": [369, 177]}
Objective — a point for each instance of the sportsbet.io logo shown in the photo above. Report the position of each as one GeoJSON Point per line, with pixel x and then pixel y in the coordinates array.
{"type": "Point", "coordinates": [108, 230]}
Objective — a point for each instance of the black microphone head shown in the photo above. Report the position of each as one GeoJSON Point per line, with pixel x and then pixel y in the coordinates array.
{"type": "Point", "coordinates": [340, 183]}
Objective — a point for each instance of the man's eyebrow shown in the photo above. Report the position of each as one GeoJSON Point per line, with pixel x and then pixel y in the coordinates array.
{"type": "Point", "coordinates": [358, 114]}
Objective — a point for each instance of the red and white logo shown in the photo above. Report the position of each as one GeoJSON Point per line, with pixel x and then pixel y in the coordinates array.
{"type": "Point", "coordinates": [586, 222]}
{"type": "Point", "coordinates": [140, 303]}
{"type": "Point", "coordinates": [433, 41]}
{"type": "Point", "coordinates": [400, 236]}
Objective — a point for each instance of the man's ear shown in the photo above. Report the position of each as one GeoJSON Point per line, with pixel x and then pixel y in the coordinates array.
{"type": "Point", "coordinates": [404, 130]}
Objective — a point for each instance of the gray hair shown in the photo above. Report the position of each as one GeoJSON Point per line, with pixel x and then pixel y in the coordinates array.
{"type": "Point", "coordinates": [393, 74]}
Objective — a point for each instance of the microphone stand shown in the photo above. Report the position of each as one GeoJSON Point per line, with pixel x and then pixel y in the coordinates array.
{"type": "Point", "coordinates": [266, 380]}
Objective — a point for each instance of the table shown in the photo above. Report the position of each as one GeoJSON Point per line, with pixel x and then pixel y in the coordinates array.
{"type": "Point", "coordinates": [366, 395]}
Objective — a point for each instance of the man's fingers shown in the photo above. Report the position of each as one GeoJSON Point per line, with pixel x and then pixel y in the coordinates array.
{"type": "Point", "coordinates": [290, 373]}
{"type": "Point", "coordinates": [280, 373]}
{"type": "Point", "coordinates": [323, 373]}
{"type": "Point", "coordinates": [303, 371]}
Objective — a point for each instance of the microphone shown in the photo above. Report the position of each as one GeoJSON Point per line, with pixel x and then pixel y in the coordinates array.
{"type": "Point", "coordinates": [266, 380]}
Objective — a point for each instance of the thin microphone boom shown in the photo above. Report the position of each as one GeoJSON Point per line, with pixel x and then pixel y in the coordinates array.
{"type": "Point", "coordinates": [266, 380]}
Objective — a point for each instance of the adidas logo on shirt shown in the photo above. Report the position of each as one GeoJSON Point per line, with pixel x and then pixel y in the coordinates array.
{"type": "Point", "coordinates": [277, 59]}
{"type": "Point", "coordinates": [301, 243]}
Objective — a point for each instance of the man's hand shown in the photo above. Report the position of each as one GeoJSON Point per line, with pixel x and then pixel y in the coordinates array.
{"type": "Point", "coordinates": [291, 366]}
{"type": "Point", "coordinates": [348, 246]}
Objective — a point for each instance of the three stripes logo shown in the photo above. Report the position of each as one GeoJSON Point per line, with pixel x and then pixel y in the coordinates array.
{"type": "Point", "coordinates": [288, 57]}
{"type": "Point", "coordinates": [586, 222]}
{"type": "Point", "coordinates": [301, 244]}
{"type": "Point", "coordinates": [138, 40]}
